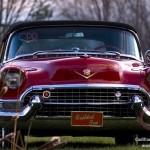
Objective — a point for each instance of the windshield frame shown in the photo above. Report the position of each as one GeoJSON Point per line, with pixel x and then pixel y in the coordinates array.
{"type": "Point", "coordinates": [11, 35]}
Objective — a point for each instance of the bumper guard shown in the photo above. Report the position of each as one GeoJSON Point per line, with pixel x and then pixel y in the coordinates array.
{"type": "Point", "coordinates": [24, 114]}
{"type": "Point", "coordinates": [142, 112]}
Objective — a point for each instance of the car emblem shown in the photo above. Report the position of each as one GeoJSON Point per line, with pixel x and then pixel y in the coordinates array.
{"type": "Point", "coordinates": [86, 73]}
{"type": "Point", "coordinates": [118, 95]}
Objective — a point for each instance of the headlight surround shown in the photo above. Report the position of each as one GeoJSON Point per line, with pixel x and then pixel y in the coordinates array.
{"type": "Point", "coordinates": [12, 79]}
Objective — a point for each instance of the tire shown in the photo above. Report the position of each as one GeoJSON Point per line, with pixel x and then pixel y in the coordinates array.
{"type": "Point", "coordinates": [125, 139]}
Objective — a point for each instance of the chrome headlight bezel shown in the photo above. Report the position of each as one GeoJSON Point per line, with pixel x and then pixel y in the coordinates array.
{"type": "Point", "coordinates": [13, 78]}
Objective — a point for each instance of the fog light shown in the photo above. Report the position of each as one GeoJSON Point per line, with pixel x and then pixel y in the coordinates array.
{"type": "Point", "coordinates": [46, 94]}
{"type": "Point", "coordinates": [137, 99]}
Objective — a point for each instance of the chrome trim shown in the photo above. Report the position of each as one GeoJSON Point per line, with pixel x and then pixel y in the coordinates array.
{"type": "Point", "coordinates": [40, 87]}
{"type": "Point", "coordinates": [10, 100]}
{"type": "Point", "coordinates": [26, 112]}
{"type": "Point", "coordinates": [25, 93]}
{"type": "Point", "coordinates": [75, 53]}
{"type": "Point", "coordinates": [144, 91]}
{"type": "Point", "coordinates": [146, 56]}
{"type": "Point", "coordinates": [95, 85]}
{"type": "Point", "coordinates": [119, 103]}
{"type": "Point", "coordinates": [142, 111]}
{"type": "Point", "coordinates": [7, 45]}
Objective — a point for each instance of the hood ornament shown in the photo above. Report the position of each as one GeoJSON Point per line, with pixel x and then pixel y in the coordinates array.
{"type": "Point", "coordinates": [86, 73]}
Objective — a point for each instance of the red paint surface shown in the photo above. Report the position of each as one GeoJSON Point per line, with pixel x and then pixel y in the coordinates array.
{"type": "Point", "coordinates": [63, 71]}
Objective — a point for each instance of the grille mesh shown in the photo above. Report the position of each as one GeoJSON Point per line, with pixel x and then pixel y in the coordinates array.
{"type": "Point", "coordinates": [63, 101]}
{"type": "Point", "coordinates": [65, 110]}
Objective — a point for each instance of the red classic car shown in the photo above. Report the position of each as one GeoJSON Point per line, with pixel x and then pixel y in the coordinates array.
{"type": "Point", "coordinates": [75, 78]}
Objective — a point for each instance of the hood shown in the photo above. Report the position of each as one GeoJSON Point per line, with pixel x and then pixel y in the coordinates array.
{"type": "Point", "coordinates": [82, 70]}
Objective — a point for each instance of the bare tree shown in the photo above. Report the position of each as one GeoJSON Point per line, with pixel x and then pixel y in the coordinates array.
{"type": "Point", "coordinates": [12, 11]}
{"type": "Point", "coordinates": [79, 10]}
{"type": "Point", "coordinates": [135, 13]}
{"type": "Point", "coordinates": [43, 10]}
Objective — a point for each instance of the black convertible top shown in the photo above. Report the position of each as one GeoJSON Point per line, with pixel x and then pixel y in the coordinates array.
{"type": "Point", "coordinates": [20, 25]}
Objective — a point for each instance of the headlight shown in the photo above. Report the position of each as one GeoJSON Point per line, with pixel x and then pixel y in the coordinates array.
{"type": "Point", "coordinates": [12, 79]}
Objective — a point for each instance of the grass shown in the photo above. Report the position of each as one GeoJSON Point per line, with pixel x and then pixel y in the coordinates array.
{"type": "Point", "coordinates": [84, 143]}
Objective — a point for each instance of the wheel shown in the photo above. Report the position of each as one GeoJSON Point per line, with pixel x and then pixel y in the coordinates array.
{"type": "Point", "coordinates": [125, 139]}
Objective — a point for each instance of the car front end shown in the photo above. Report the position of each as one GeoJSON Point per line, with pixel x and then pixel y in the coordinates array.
{"type": "Point", "coordinates": [74, 79]}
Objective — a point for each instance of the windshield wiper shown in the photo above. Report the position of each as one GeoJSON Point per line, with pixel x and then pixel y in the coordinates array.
{"type": "Point", "coordinates": [119, 55]}
{"type": "Point", "coordinates": [40, 52]}
{"type": "Point", "coordinates": [106, 52]}
{"type": "Point", "coordinates": [113, 52]}
{"type": "Point", "coordinates": [28, 55]}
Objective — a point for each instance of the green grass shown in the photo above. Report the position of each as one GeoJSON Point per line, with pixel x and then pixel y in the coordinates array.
{"type": "Point", "coordinates": [84, 143]}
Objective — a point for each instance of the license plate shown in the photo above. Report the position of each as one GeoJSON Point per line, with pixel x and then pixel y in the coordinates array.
{"type": "Point", "coordinates": [90, 119]}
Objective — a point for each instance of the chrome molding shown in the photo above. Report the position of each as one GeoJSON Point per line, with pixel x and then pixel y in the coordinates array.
{"type": "Point", "coordinates": [62, 86]}
{"type": "Point", "coordinates": [119, 103]}
{"type": "Point", "coordinates": [76, 54]}
{"type": "Point", "coordinates": [25, 113]}
{"type": "Point", "coordinates": [94, 85]}
{"type": "Point", "coordinates": [144, 91]}
{"type": "Point", "coordinates": [10, 100]}
{"type": "Point", "coordinates": [142, 111]}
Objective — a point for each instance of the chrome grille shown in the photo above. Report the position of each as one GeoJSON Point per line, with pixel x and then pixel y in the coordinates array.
{"type": "Point", "coordinates": [63, 101]}
{"type": "Point", "coordinates": [65, 110]}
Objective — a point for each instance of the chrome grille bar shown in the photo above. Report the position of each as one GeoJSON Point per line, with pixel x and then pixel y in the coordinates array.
{"type": "Point", "coordinates": [65, 99]}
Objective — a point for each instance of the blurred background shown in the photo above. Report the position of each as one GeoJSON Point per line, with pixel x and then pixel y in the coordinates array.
{"type": "Point", "coordinates": [133, 12]}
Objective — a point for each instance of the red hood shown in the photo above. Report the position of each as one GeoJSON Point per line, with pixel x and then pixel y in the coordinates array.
{"type": "Point", "coordinates": [81, 70]}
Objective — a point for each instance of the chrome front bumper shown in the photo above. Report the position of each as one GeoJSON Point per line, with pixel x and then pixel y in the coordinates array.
{"type": "Point", "coordinates": [142, 112]}
{"type": "Point", "coordinates": [27, 114]}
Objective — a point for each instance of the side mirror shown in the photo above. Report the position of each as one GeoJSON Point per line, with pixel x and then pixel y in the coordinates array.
{"type": "Point", "coordinates": [147, 56]}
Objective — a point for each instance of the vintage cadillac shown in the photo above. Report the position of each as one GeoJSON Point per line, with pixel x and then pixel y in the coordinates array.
{"type": "Point", "coordinates": [76, 78]}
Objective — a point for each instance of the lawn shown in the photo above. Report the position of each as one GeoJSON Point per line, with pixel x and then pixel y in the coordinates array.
{"type": "Point", "coordinates": [83, 143]}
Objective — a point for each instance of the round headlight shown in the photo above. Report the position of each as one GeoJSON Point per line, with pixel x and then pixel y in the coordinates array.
{"type": "Point", "coordinates": [12, 79]}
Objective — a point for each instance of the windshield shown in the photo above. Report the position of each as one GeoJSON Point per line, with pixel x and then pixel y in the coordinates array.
{"type": "Point", "coordinates": [74, 39]}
